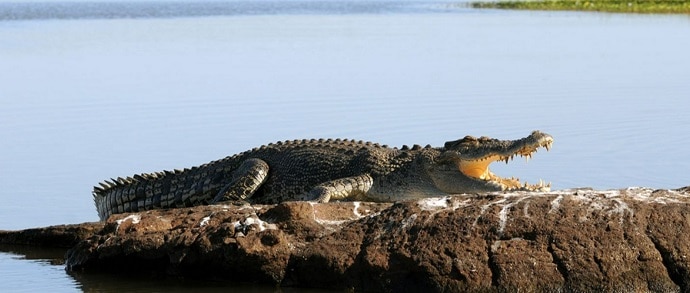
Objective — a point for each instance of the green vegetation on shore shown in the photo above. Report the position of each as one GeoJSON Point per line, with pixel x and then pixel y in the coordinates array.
{"type": "Point", "coordinates": [627, 6]}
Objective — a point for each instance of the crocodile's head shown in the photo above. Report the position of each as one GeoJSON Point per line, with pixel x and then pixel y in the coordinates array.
{"type": "Point", "coordinates": [472, 157]}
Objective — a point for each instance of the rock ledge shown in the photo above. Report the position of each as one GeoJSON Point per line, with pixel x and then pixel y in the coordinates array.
{"type": "Point", "coordinates": [634, 239]}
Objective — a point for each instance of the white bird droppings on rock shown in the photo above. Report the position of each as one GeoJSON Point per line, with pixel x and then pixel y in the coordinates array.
{"type": "Point", "coordinates": [433, 203]}
{"type": "Point", "coordinates": [204, 221]}
{"type": "Point", "coordinates": [355, 210]}
{"type": "Point", "coordinates": [134, 218]}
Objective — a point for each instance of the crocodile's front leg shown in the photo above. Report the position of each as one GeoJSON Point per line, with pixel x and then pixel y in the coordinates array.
{"type": "Point", "coordinates": [246, 179]}
{"type": "Point", "coordinates": [349, 187]}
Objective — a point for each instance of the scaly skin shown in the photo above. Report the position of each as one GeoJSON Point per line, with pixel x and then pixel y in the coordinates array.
{"type": "Point", "coordinates": [323, 170]}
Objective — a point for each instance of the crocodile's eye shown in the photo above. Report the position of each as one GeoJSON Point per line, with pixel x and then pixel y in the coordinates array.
{"type": "Point", "coordinates": [463, 142]}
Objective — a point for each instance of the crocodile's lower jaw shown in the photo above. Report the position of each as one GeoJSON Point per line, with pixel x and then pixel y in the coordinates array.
{"type": "Point", "coordinates": [514, 184]}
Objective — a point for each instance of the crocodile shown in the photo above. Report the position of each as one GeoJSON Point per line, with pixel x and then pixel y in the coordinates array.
{"type": "Point", "coordinates": [322, 170]}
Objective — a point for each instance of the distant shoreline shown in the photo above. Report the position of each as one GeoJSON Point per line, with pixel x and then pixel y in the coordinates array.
{"type": "Point", "coordinates": [618, 6]}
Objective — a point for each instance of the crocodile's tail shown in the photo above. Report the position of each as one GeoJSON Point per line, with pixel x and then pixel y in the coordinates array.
{"type": "Point", "coordinates": [130, 194]}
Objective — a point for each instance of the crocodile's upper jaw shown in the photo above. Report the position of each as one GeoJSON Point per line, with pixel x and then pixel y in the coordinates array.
{"type": "Point", "coordinates": [479, 168]}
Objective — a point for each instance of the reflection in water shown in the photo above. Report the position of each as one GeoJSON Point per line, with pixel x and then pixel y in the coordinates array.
{"type": "Point", "coordinates": [41, 267]}
{"type": "Point", "coordinates": [95, 282]}
{"type": "Point", "coordinates": [30, 269]}
{"type": "Point", "coordinates": [49, 255]}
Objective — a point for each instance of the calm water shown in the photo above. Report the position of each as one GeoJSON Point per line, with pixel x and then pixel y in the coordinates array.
{"type": "Point", "coordinates": [96, 90]}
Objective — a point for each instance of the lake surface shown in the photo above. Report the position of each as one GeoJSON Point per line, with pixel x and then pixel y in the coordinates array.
{"type": "Point", "coordinates": [99, 89]}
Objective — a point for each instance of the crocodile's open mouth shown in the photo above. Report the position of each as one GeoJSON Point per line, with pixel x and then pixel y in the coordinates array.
{"type": "Point", "coordinates": [479, 168]}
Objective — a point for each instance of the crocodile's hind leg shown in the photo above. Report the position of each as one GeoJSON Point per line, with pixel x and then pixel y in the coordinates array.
{"type": "Point", "coordinates": [246, 179]}
{"type": "Point", "coordinates": [349, 187]}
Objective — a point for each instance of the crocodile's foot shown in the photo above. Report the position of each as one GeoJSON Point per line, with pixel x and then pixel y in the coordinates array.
{"type": "Point", "coordinates": [478, 167]}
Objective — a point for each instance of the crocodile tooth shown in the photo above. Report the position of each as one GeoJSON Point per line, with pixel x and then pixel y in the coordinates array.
{"type": "Point", "coordinates": [104, 185]}
{"type": "Point", "coordinates": [547, 144]}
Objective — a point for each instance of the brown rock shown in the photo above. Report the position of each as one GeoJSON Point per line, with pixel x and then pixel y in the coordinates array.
{"type": "Point", "coordinates": [631, 240]}
{"type": "Point", "coordinates": [53, 236]}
